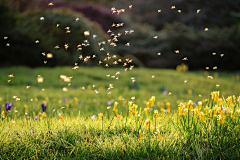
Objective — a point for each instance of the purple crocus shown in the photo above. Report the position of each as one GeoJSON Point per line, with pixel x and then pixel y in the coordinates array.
{"type": "Point", "coordinates": [8, 106]}
{"type": "Point", "coordinates": [165, 92]}
{"type": "Point", "coordinates": [44, 107]}
{"type": "Point", "coordinates": [109, 103]}
{"type": "Point", "coordinates": [36, 118]}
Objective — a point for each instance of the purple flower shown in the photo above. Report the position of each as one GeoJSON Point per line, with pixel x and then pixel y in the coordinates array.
{"type": "Point", "coordinates": [109, 103]}
{"type": "Point", "coordinates": [28, 118]}
{"type": "Point", "coordinates": [44, 107]}
{"type": "Point", "coordinates": [65, 100]}
{"type": "Point", "coordinates": [223, 108]}
{"type": "Point", "coordinates": [8, 106]}
{"type": "Point", "coordinates": [165, 92]}
{"type": "Point", "coordinates": [35, 118]}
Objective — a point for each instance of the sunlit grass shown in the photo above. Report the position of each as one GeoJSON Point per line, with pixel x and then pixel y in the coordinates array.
{"type": "Point", "coordinates": [136, 121]}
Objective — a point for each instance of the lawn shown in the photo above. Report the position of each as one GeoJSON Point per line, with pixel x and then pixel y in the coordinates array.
{"type": "Point", "coordinates": [183, 121]}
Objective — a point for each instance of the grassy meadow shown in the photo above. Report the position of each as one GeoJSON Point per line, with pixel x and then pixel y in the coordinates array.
{"type": "Point", "coordinates": [107, 113]}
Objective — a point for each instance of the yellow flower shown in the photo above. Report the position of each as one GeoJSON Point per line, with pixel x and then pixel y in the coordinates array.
{"type": "Point", "coordinates": [140, 120]}
{"type": "Point", "coordinates": [115, 105]}
{"type": "Point", "coordinates": [210, 113]}
{"type": "Point", "coordinates": [159, 135]}
{"type": "Point", "coordinates": [76, 100]}
{"type": "Point", "coordinates": [130, 113]}
{"type": "Point", "coordinates": [151, 101]}
{"type": "Point", "coordinates": [120, 98]}
{"type": "Point", "coordinates": [222, 121]}
{"type": "Point", "coordinates": [181, 108]}
{"type": "Point", "coordinates": [119, 117]}
{"type": "Point", "coordinates": [203, 119]}
{"type": "Point", "coordinates": [146, 111]}
{"type": "Point", "coordinates": [156, 113]}
{"type": "Point", "coordinates": [43, 115]}
{"type": "Point", "coordinates": [220, 101]}
{"type": "Point", "coordinates": [100, 115]}
{"type": "Point", "coordinates": [141, 135]}
{"type": "Point", "coordinates": [147, 104]}
{"type": "Point", "coordinates": [232, 115]}
{"type": "Point", "coordinates": [215, 95]}
{"type": "Point", "coordinates": [234, 98]}
{"type": "Point", "coordinates": [147, 124]}
{"type": "Point", "coordinates": [3, 114]}
{"type": "Point", "coordinates": [200, 105]}
{"type": "Point", "coordinates": [134, 108]}
{"type": "Point", "coordinates": [26, 107]}
{"type": "Point", "coordinates": [206, 110]}
{"type": "Point", "coordinates": [168, 104]}
{"type": "Point", "coordinates": [163, 111]}
{"type": "Point", "coordinates": [130, 105]}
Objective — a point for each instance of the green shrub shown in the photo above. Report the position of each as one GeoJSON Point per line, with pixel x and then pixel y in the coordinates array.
{"type": "Point", "coordinates": [30, 28]}
{"type": "Point", "coordinates": [196, 45]}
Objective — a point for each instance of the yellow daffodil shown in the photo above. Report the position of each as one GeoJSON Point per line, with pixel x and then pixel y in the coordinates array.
{"type": "Point", "coordinates": [163, 111]}
{"type": "Point", "coordinates": [140, 120]}
{"type": "Point", "coordinates": [146, 111]}
{"type": "Point", "coordinates": [147, 104]}
{"type": "Point", "coordinates": [234, 98]}
{"type": "Point", "coordinates": [134, 108]}
{"type": "Point", "coordinates": [215, 95]}
{"type": "Point", "coordinates": [130, 113]}
{"type": "Point", "coordinates": [120, 98]}
{"type": "Point", "coordinates": [76, 100]}
{"type": "Point", "coordinates": [115, 105]}
{"type": "Point", "coordinates": [156, 113]}
{"type": "Point", "coordinates": [3, 114]}
{"type": "Point", "coordinates": [151, 101]}
{"type": "Point", "coordinates": [130, 105]}
{"type": "Point", "coordinates": [141, 135]}
{"type": "Point", "coordinates": [206, 110]}
{"type": "Point", "coordinates": [26, 108]}
{"type": "Point", "coordinates": [220, 101]}
{"type": "Point", "coordinates": [43, 115]}
{"type": "Point", "coordinates": [119, 117]}
{"type": "Point", "coordinates": [159, 135]}
{"type": "Point", "coordinates": [168, 104]}
{"type": "Point", "coordinates": [147, 124]}
{"type": "Point", "coordinates": [200, 105]}
{"type": "Point", "coordinates": [100, 115]}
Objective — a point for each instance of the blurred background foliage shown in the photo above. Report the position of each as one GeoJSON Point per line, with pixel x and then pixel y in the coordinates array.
{"type": "Point", "coordinates": [20, 21]}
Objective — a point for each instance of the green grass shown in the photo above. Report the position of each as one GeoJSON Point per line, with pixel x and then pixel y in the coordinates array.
{"type": "Point", "coordinates": [144, 87]}
{"type": "Point", "coordinates": [78, 136]}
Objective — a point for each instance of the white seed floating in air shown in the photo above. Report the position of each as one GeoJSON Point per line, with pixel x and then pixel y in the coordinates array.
{"type": "Point", "coordinates": [86, 33]}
